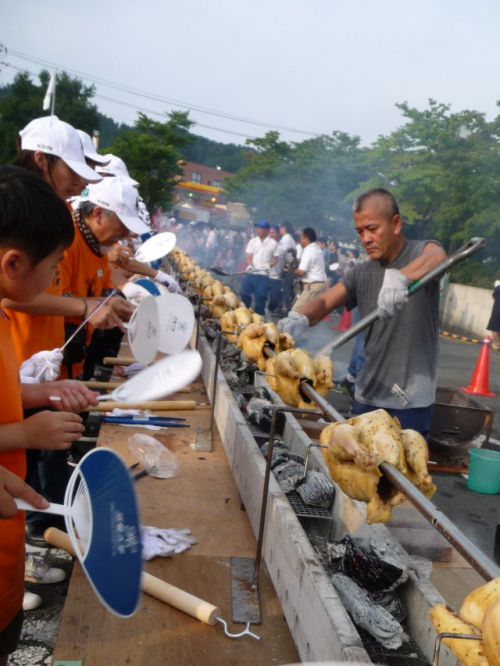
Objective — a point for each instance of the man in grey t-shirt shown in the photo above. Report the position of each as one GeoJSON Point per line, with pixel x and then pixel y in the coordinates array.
{"type": "Point", "coordinates": [401, 347]}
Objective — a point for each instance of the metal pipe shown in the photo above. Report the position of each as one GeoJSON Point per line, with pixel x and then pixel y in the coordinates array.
{"type": "Point", "coordinates": [214, 386]}
{"type": "Point", "coordinates": [482, 564]}
{"type": "Point", "coordinates": [466, 250]}
{"type": "Point", "coordinates": [276, 409]}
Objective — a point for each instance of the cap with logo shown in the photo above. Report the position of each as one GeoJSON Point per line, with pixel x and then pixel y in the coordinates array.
{"type": "Point", "coordinates": [118, 195]}
{"type": "Point", "coordinates": [89, 149]}
{"type": "Point", "coordinates": [55, 137]}
{"type": "Point", "coordinates": [115, 166]}
{"type": "Point", "coordinates": [263, 224]}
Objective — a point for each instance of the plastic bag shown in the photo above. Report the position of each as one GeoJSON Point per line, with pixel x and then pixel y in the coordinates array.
{"type": "Point", "coordinates": [154, 456]}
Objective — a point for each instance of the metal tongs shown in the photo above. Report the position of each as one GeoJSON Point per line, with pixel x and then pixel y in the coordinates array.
{"type": "Point", "coordinates": [467, 250]}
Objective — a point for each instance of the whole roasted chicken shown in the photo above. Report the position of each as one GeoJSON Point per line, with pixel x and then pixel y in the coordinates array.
{"type": "Point", "coordinates": [359, 445]}
{"type": "Point", "coordinates": [479, 614]}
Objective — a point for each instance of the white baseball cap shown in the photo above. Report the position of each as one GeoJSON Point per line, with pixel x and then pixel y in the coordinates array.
{"type": "Point", "coordinates": [118, 195]}
{"type": "Point", "coordinates": [89, 149]}
{"type": "Point", "coordinates": [55, 137]}
{"type": "Point", "coordinates": [115, 166]}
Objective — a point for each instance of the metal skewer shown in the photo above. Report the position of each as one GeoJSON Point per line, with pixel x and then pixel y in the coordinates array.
{"type": "Point", "coordinates": [482, 564]}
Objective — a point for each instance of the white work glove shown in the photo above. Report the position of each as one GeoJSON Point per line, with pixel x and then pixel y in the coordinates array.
{"type": "Point", "coordinates": [134, 293]}
{"type": "Point", "coordinates": [249, 269]}
{"type": "Point", "coordinates": [393, 294]}
{"type": "Point", "coordinates": [168, 281]}
{"type": "Point", "coordinates": [164, 543]}
{"type": "Point", "coordinates": [43, 366]}
{"type": "Point", "coordinates": [295, 324]}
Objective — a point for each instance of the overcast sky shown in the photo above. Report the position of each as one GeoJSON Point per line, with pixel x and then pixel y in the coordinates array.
{"type": "Point", "coordinates": [309, 65]}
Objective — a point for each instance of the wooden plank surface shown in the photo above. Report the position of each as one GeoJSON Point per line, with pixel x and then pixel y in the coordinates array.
{"type": "Point", "coordinates": [204, 498]}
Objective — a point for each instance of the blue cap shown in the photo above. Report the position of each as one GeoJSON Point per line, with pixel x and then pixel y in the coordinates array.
{"type": "Point", "coordinates": [263, 224]}
{"type": "Point", "coordinates": [274, 227]}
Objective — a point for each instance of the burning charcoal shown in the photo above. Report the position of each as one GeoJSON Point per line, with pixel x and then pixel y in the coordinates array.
{"type": "Point", "coordinates": [317, 489]}
{"type": "Point", "coordinates": [281, 454]}
{"type": "Point", "coordinates": [365, 565]}
{"type": "Point", "coordinates": [262, 392]}
{"type": "Point", "coordinates": [392, 604]}
{"type": "Point", "coordinates": [367, 614]}
{"type": "Point", "coordinates": [288, 475]}
{"type": "Point", "coordinates": [210, 332]}
{"type": "Point", "coordinates": [259, 413]}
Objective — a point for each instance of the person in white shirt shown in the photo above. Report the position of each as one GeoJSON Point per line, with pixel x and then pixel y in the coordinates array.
{"type": "Point", "coordinates": [211, 245]}
{"type": "Point", "coordinates": [262, 255]}
{"type": "Point", "coordinates": [287, 245]}
{"type": "Point", "coordinates": [275, 273]}
{"type": "Point", "coordinates": [311, 269]}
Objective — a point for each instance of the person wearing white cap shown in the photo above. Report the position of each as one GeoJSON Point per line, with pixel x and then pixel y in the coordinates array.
{"type": "Point", "coordinates": [92, 157]}
{"type": "Point", "coordinates": [115, 166]}
{"type": "Point", "coordinates": [107, 213]}
{"type": "Point", "coordinates": [54, 150]}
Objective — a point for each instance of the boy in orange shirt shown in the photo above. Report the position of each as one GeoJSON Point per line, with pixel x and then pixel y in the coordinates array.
{"type": "Point", "coordinates": [35, 228]}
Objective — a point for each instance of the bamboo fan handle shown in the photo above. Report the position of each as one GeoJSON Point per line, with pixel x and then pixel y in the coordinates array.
{"type": "Point", "coordinates": [119, 360]}
{"type": "Point", "coordinates": [155, 587]}
{"type": "Point", "coordinates": [153, 405]}
{"type": "Point", "coordinates": [56, 509]}
{"type": "Point", "coordinates": [91, 384]}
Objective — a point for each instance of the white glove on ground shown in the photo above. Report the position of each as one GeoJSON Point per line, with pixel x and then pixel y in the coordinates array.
{"type": "Point", "coordinates": [394, 292]}
{"type": "Point", "coordinates": [43, 366]}
{"type": "Point", "coordinates": [295, 324]}
{"type": "Point", "coordinates": [168, 281]}
{"type": "Point", "coordinates": [164, 543]}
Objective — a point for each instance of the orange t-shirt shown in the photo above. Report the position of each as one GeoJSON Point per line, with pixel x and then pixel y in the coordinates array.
{"type": "Point", "coordinates": [32, 333]}
{"type": "Point", "coordinates": [12, 530]}
{"type": "Point", "coordinates": [83, 273]}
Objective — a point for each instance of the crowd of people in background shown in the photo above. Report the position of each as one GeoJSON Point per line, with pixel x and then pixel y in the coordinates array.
{"type": "Point", "coordinates": [227, 250]}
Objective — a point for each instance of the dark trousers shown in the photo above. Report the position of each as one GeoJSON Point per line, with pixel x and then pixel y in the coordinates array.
{"type": "Point", "coordinates": [288, 291]}
{"type": "Point", "coordinates": [275, 294]}
{"type": "Point", "coordinates": [256, 286]}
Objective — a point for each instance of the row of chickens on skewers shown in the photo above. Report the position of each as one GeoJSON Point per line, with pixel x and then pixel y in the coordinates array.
{"type": "Point", "coordinates": [355, 447]}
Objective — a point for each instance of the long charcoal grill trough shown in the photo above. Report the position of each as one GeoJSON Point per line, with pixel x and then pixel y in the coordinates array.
{"type": "Point", "coordinates": [321, 627]}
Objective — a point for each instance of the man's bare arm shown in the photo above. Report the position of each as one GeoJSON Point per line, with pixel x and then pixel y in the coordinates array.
{"type": "Point", "coordinates": [431, 257]}
{"type": "Point", "coordinates": [49, 304]}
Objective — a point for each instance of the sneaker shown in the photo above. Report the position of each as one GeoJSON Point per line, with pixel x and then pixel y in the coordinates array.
{"type": "Point", "coordinates": [31, 601]}
{"type": "Point", "coordinates": [36, 570]}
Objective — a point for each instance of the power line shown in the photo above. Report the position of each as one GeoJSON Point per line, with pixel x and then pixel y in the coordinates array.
{"type": "Point", "coordinates": [151, 96]}
{"type": "Point", "coordinates": [139, 108]}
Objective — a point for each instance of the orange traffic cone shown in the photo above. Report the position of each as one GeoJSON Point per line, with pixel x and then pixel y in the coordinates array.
{"type": "Point", "coordinates": [345, 321]}
{"type": "Point", "coordinates": [480, 383]}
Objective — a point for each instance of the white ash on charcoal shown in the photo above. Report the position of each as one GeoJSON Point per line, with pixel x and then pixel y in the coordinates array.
{"type": "Point", "coordinates": [281, 453]}
{"type": "Point", "coordinates": [259, 412]}
{"type": "Point", "coordinates": [316, 490]}
{"type": "Point", "coordinates": [367, 614]}
{"type": "Point", "coordinates": [211, 328]}
{"type": "Point", "coordinates": [288, 468]}
{"type": "Point", "coordinates": [288, 475]}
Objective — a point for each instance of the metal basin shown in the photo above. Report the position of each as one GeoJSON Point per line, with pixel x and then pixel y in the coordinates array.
{"type": "Point", "coordinates": [458, 420]}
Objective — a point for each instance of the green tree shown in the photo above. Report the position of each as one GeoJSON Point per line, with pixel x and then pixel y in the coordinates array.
{"type": "Point", "coordinates": [23, 102]}
{"type": "Point", "coordinates": [305, 183]}
{"type": "Point", "coordinates": [151, 151]}
{"type": "Point", "coordinates": [444, 169]}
